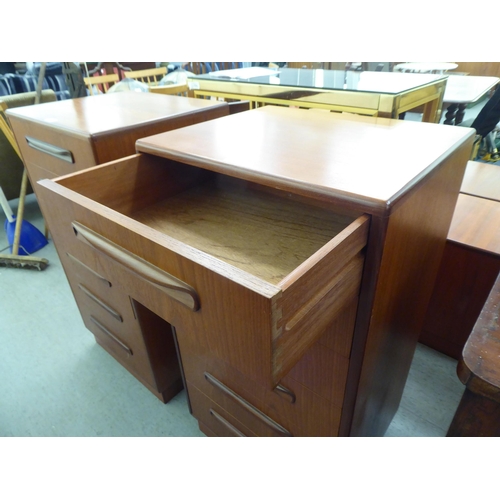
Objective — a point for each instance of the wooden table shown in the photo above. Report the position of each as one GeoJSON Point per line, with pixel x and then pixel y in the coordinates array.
{"type": "Point", "coordinates": [482, 180]}
{"type": "Point", "coordinates": [367, 93]}
{"type": "Point", "coordinates": [462, 91]}
{"type": "Point", "coordinates": [295, 275]}
{"type": "Point", "coordinates": [478, 413]}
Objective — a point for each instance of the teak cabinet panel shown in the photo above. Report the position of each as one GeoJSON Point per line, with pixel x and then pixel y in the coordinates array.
{"type": "Point", "coordinates": [295, 275]}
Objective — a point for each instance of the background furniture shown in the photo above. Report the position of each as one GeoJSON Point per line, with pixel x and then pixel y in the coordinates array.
{"type": "Point", "coordinates": [425, 67]}
{"type": "Point", "coordinates": [54, 79]}
{"type": "Point", "coordinates": [295, 276]}
{"type": "Point", "coordinates": [149, 76]}
{"type": "Point", "coordinates": [180, 89]}
{"type": "Point", "coordinates": [462, 91]}
{"type": "Point", "coordinates": [101, 83]}
{"type": "Point", "coordinates": [490, 68]}
{"type": "Point", "coordinates": [470, 263]}
{"type": "Point", "coordinates": [478, 413]}
{"type": "Point", "coordinates": [66, 136]}
{"type": "Point", "coordinates": [369, 93]}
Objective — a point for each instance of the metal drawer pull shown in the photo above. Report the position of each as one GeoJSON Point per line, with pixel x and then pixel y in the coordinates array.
{"type": "Point", "coordinates": [97, 300]}
{"type": "Point", "coordinates": [45, 147]}
{"type": "Point", "coordinates": [125, 347]}
{"type": "Point", "coordinates": [224, 422]}
{"type": "Point", "coordinates": [254, 411]}
{"type": "Point", "coordinates": [89, 269]}
{"type": "Point", "coordinates": [281, 389]}
{"type": "Point", "coordinates": [169, 284]}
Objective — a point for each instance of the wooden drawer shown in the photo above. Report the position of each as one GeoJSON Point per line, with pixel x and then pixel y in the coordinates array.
{"type": "Point", "coordinates": [218, 420]}
{"type": "Point", "coordinates": [291, 408]}
{"type": "Point", "coordinates": [117, 330]}
{"type": "Point", "coordinates": [258, 274]}
{"type": "Point", "coordinates": [56, 151]}
{"type": "Point", "coordinates": [140, 340]}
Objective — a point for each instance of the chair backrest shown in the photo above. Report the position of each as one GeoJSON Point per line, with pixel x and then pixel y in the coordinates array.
{"type": "Point", "coordinates": [101, 83]}
{"type": "Point", "coordinates": [149, 76]}
{"type": "Point", "coordinates": [180, 89]}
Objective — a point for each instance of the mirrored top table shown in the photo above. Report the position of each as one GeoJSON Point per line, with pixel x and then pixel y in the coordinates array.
{"type": "Point", "coordinates": [368, 93]}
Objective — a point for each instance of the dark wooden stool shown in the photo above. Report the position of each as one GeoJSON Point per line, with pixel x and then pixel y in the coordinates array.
{"type": "Point", "coordinates": [478, 413]}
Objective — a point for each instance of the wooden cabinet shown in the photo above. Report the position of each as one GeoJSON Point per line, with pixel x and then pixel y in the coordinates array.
{"type": "Point", "coordinates": [295, 276]}
{"type": "Point", "coordinates": [470, 264]}
{"type": "Point", "coordinates": [64, 137]}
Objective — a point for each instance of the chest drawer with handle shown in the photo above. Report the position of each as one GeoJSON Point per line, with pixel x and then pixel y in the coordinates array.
{"type": "Point", "coordinates": [258, 273]}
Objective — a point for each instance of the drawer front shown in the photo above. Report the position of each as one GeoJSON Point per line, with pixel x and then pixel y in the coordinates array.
{"type": "Point", "coordinates": [147, 350]}
{"type": "Point", "coordinates": [290, 409]}
{"type": "Point", "coordinates": [122, 340]}
{"type": "Point", "coordinates": [57, 151]}
{"type": "Point", "coordinates": [218, 420]}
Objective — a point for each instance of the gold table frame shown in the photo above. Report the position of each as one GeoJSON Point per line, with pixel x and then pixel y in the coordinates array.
{"type": "Point", "coordinates": [388, 105]}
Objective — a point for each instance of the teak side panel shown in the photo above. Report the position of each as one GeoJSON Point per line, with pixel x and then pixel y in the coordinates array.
{"type": "Point", "coordinates": [411, 250]}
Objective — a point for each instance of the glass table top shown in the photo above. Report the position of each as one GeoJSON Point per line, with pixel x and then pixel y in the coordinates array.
{"type": "Point", "coordinates": [319, 79]}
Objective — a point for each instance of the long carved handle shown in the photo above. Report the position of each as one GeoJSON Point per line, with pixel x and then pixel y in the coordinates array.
{"type": "Point", "coordinates": [49, 149]}
{"type": "Point", "coordinates": [252, 409]}
{"type": "Point", "coordinates": [113, 337]}
{"type": "Point", "coordinates": [169, 284]}
{"type": "Point", "coordinates": [100, 302]}
{"type": "Point", "coordinates": [89, 269]}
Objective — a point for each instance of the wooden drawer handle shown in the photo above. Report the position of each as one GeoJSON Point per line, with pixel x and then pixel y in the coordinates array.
{"type": "Point", "coordinates": [89, 269]}
{"type": "Point", "coordinates": [172, 286]}
{"type": "Point", "coordinates": [281, 389]}
{"type": "Point", "coordinates": [97, 300]}
{"type": "Point", "coordinates": [49, 149]}
{"type": "Point", "coordinates": [224, 422]}
{"type": "Point", "coordinates": [254, 411]}
{"type": "Point", "coordinates": [125, 347]}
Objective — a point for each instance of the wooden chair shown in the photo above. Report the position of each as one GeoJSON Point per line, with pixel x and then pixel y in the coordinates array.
{"type": "Point", "coordinates": [149, 76]}
{"type": "Point", "coordinates": [102, 82]}
{"type": "Point", "coordinates": [200, 68]}
{"type": "Point", "coordinates": [180, 89]}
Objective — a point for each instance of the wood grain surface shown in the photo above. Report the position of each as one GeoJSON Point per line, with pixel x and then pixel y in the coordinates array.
{"type": "Point", "coordinates": [360, 159]}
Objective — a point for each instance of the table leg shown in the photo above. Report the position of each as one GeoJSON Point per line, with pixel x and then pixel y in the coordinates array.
{"type": "Point", "coordinates": [460, 114]}
{"type": "Point", "coordinates": [451, 114]}
{"type": "Point", "coordinates": [432, 111]}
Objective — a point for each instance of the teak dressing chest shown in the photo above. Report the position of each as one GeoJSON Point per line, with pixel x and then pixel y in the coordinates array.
{"type": "Point", "coordinates": [292, 254]}
{"type": "Point", "coordinates": [64, 137]}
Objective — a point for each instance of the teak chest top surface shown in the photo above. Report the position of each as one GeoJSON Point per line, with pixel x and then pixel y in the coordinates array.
{"type": "Point", "coordinates": [372, 161]}
{"type": "Point", "coordinates": [106, 113]}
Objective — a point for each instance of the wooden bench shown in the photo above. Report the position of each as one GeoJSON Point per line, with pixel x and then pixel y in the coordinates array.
{"type": "Point", "coordinates": [478, 413]}
{"type": "Point", "coordinates": [470, 263]}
